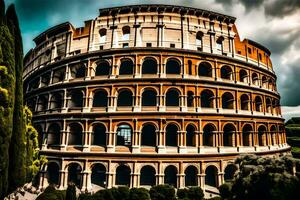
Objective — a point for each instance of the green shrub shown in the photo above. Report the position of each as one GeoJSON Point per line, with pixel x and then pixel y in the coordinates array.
{"type": "Point", "coordinates": [139, 194]}
{"type": "Point", "coordinates": [182, 193]}
{"type": "Point", "coordinates": [71, 192]}
{"type": "Point", "coordinates": [162, 192]}
{"type": "Point", "coordinates": [195, 193]}
{"type": "Point", "coordinates": [51, 193]}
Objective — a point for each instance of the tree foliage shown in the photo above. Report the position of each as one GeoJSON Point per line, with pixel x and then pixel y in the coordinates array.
{"type": "Point", "coordinates": [262, 178]}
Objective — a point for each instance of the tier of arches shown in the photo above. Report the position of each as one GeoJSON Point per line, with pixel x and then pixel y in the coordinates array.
{"type": "Point", "coordinates": [143, 97]}
{"type": "Point", "coordinates": [143, 175]}
{"type": "Point", "coordinates": [150, 66]}
{"type": "Point", "coordinates": [150, 134]}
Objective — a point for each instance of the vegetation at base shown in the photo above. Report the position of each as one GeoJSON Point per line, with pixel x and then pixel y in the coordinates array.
{"type": "Point", "coordinates": [19, 160]}
{"type": "Point", "coordinates": [262, 178]}
{"type": "Point", "coordinates": [292, 127]}
{"type": "Point", "coordinates": [51, 193]}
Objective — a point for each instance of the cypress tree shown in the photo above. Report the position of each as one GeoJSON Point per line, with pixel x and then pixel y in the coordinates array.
{"type": "Point", "coordinates": [7, 88]}
{"type": "Point", "coordinates": [17, 162]}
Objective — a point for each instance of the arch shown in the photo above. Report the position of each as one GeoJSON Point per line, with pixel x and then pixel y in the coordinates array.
{"type": "Point", "coordinates": [75, 134]}
{"type": "Point", "coordinates": [205, 69]}
{"type": "Point", "coordinates": [149, 66]}
{"type": "Point", "coordinates": [191, 176]}
{"type": "Point", "coordinates": [273, 131]}
{"type": "Point", "coordinates": [100, 99]}
{"type": "Point", "coordinates": [254, 78]}
{"type": "Point", "coordinates": [207, 99]}
{"type": "Point", "coordinates": [147, 176]}
{"type": "Point", "coordinates": [149, 98]}
{"type": "Point", "coordinates": [269, 105]}
{"type": "Point", "coordinates": [78, 71]}
{"type": "Point", "coordinates": [58, 75]}
{"type": "Point", "coordinates": [264, 81]}
{"type": "Point", "coordinates": [76, 99]}
{"type": "Point", "coordinates": [245, 102]}
{"type": "Point", "coordinates": [103, 68]}
{"type": "Point", "coordinates": [211, 176]}
{"type": "Point", "coordinates": [124, 135]}
{"type": "Point", "coordinates": [208, 135]}
{"type": "Point", "coordinates": [190, 99]}
{"type": "Point", "coordinates": [40, 132]}
{"type": "Point", "coordinates": [148, 135]}
{"type": "Point", "coordinates": [98, 176]}
{"type": "Point", "coordinates": [247, 135]}
{"type": "Point", "coordinates": [125, 98]}
{"type": "Point", "coordinates": [171, 175]}
{"type": "Point", "coordinates": [99, 135]}
{"type": "Point", "coordinates": [226, 72]}
{"type": "Point", "coordinates": [123, 175]}
{"type": "Point", "coordinates": [74, 174]}
{"type": "Point", "coordinates": [126, 33]}
{"type": "Point", "coordinates": [56, 101]}
{"type": "Point", "coordinates": [172, 97]}
{"type": "Point", "coordinates": [243, 76]}
{"type": "Point", "coordinates": [45, 79]}
{"type": "Point", "coordinates": [258, 104]}
{"type": "Point", "coordinates": [227, 101]}
{"type": "Point", "coordinates": [126, 67]}
{"type": "Point", "coordinates": [53, 173]}
{"type": "Point", "coordinates": [102, 33]}
{"type": "Point", "coordinates": [228, 135]}
{"type": "Point", "coordinates": [230, 171]}
{"type": "Point", "coordinates": [42, 103]}
{"type": "Point", "coordinates": [190, 135]}
{"type": "Point", "coordinates": [171, 135]}
{"type": "Point", "coordinates": [173, 66]}
{"type": "Point", "coordinates": [262, 135]}
{"type": "Point", "coordinates": [53, 134]}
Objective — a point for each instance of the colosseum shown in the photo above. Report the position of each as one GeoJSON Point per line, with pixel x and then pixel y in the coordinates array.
{"type": "Point", "coordinates": [151, 94]}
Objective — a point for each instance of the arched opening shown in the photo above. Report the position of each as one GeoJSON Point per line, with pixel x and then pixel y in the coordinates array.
{"type": "Point", "coordinates": [148, 176]}
{"type": "Point", "coordinates": [102, 34]}
{"type": "Point", "coordinates": [227, 101]}
{"type": "Point", "coordinates": [243, 76]}
{"type": "Point", "coordinates": [53, 134]}
{"type": "Point", "coordinates": [125, 98]}
{"type": "Point", "coordinates": [74, 174]}
{"type": "Point", "coordinates": [207, 99]}
{"type": "Point", "coordinates": [40, 132]}
{"type": "Point", "coordinates": [264, 81]}
{"type": "Point", "coordinates": [172, 97]}
{"type": "Point", "coordinates": [99, 135]}
{"type": "Point", "coordinates": [100, 99]}
{"type": "Point", "coordinates": [208, 135]}
{"type": "Point", "coordinates": [58, 75]}
{"type": "Point", "coordinates": [245, 102]}
{"type": "Point", "coordinates": [258, 104]}
{"type": "Point", "coordinates": [98, 176]}
{"type": "Point", "coordinates": [262, 139]}
{"type": "Point", "coordinates": [149, 66]}
{"type": "Point", "coordinates": [75, 134]}
{"type": "Point", "coordinates": [273, 131]}
{"type": "Point", "coordinates": [255, 79]}
{"type": "Point", "coordinates": [228, 135]}
{"type": "Point", "coordinates": [53, 173]}
{"type": "Point", "coordinates": [269, 105]}
{"type": "Point", "coordinates": [211, 176]}
{"type": "Point", "coordinates": [102, 69]}
{"type": "Point", "coordinates": [149, 98]}
{"type": "Point", "coordinates": [191, 176]}
{"type": "Point", "coordinates": [126, 67]}
{"type": "Point", "coordinates": [226, 73]}
{"type": "Point", "coordinates": [173, 67]}
{"type": "Point", "coordinates": [78, 71]}
{"type": "Point", "coordinates": [42, 103]}
{"type": "Point", "coordinates": [230, 171]}
{"type": "Point", "coordinates": [190, 99]}
{"type": "Point", "coordinates": [171, 175]}
{"type": "Point", "coordinates": [171, 135]}
{"type": "Point", "coordinates": [126, 33]}
{"type": "Point", "coordinates": [45, 80]}
{"type": "Point", "coordinates": [247, 135]}
{"type": "Point", "coordinates": [190, 136]}
{"type": "Point", "coordinates": [205, 69]}
{"type": "Point", "coordinates": [76, 100]}
{"type": "Point", "coordinates": [123, 175]}
{"type": "Point", "coordinates": [124, 134]}
{"type": "Point", "coordinates": [56, 101]}
{"type": "Point", "coordinates": [148, 136]}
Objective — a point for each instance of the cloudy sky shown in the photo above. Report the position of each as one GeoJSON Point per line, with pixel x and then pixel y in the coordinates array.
{"type": "Point", "coordinates": [273, 23]}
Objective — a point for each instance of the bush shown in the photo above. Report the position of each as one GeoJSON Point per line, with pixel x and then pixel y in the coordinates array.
{"type": "Point", "coordinates": [162, 192]}
{"type": "Point", "coordinates": [182, 193]}
{"type": "Point", "coordinates": [139, 194]}
{"type": "Point", "coordinates": [71, 192]}
{"type": "Point", "coordinates": [195, 193]}
{"type": "Point", "coordinates": [51, 193]}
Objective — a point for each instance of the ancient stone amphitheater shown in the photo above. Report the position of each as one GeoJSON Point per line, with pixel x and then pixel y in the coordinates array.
{"type": "Point", "coordinates": [151, 94]}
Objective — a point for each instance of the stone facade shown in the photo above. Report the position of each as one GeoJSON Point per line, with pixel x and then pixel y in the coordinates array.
{"type": "Point", "coordinates": [151, 94]}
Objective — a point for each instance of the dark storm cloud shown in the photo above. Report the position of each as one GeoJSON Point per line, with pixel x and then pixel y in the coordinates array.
{"type": "Point", "coordinates": [248, 4]}
{"type": "Point", "coordinates": [280, 8]}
